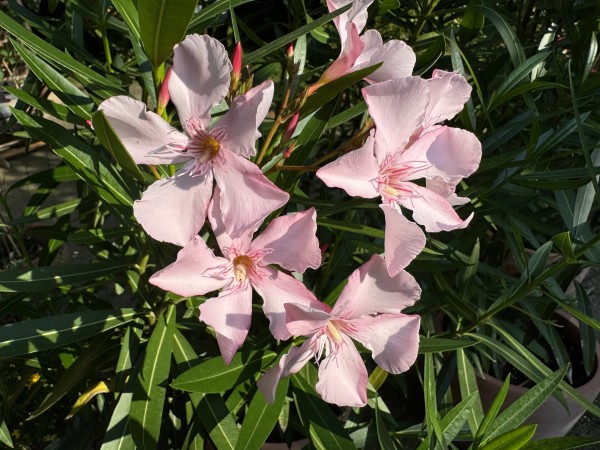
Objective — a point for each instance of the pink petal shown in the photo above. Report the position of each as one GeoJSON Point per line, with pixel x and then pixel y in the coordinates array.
{"type": "Point", "coordinates": [143, 133]}
{"type": "Point", "coordinates": [226, 243]}
{"type": "Point", "coordinates": [247, 196]}
{"type": "Point", "coordinates": [230, 315]}
{"type": "Point", "coordinates": [242, 120]}
{"type": "Point", "coordinates": [392, 338]}
{"type": "Point", "coordinates": [397, 57]}
{"type": "Point", "coordinates": [293, 241]}
{"type": "Point", "coordinates": [404, 240]}
{"type": "Point", "coordinates": [277, 289]}
{"type": "Point", "coordinates": [290, 363]}
{"type": "Point", "coordinates": [186, 276]}
{"type": "Point", "coordinates": [371, 290]}
{"type": "Point", "coordinates": [354, 172]}
{"type": "Point", "coordinates": [357, 14]}
{"type": "Point", "coordinates": [449, 92]}
{"type": "Point", "coordinates": [174, 209]}
{"type": "Point", "coordinates": [306, 320]}
{"type": "Point", "coordinates": [200, 77]}
{"type": "Point", "coordinates": [433, 211]}
{"type": "Point", "coordinates": [454, 153]}
{"type": "Point", "coordinates": [446, 190]}
{"type": "Point", "coordinates": [398, 108]}
{"type": "Point", "coordinates": [352, 47]}
{"type": "Point", "coordinates": [343, 376]}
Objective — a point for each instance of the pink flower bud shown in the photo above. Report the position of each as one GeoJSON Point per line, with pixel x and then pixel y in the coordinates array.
{"type": "Point", "coordinates": [290, 128]}
{"type": "Point", "coordinates": [289, 52]}
{"type": "Point", "coordinates": [164, 96]}
{"type": "Point", "coordinates": [236, 60]}
{"type": "Point", "coordinates": [89, 124]}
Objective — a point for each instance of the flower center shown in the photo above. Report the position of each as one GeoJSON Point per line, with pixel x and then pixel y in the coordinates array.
{"type": "Point", "coordinates": [334, 333]}
{"type": "Point", "coordinates": [242, 267]}
{"type": "Point", "coordinates": [203, 146]}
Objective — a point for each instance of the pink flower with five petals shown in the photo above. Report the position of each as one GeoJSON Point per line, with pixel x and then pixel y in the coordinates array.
{"type": "Point", "coordinates": [406, 146]}
{"type": "Point", "coordinates": [289, 241]}
{"type": "Point", "coordinates": [359, 52]}
{"type": "Point", "coordinates": [368, 311]}
{"type": "Point", "coordinates": [174, 209]}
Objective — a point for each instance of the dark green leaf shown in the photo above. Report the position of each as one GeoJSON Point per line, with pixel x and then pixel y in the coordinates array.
{"type": "Point", "coordinates": [41, 279]}
{"type": "Point", "coordinates": [439, 345]}
{"type": "Point", "coordinates": [283, 40]}
{"type": "Point", "coordinates": [36, 335]}
{"type": "Point", "coordinates": [145, 416]}
{"type": "Point", "coordinates": [4, 434]}
{"type": "Point", "coordinates": [215, 376]}
{"type": "Point", "coordinates": [162, 25]}
{"type": "Point", "coordinates": [324, 429]}
{"type": "Point", "coordinates": [260, 418]}
{"type": "Point", "coordinates": [512, 440]}
{"type": "Point", "coordinates": [587, 334]}
{"type": "Point", "coordinates": [468, 386]}
{"type": "Point", "coordinates": [562, 443]}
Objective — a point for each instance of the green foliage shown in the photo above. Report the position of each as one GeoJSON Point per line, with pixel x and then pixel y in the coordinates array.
{"type": "Point", "coordinates": [489, 291]}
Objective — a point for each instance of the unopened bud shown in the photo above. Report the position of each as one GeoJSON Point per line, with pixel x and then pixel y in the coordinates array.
{"type": "Point", "coordinates": [236, 72]}
{"type": "Point", "coordinates": [290, 66]}
{"type": "Point", "coordinates": [89, 124]}
{"type": "Point", "coordinates": [290, 128]}
{"type": "Point", "coordinates": [164, 96]}
{"type": "Point", "coordinates": [289, 150]}
{"type": "Point", "coordinates": [289, 52]}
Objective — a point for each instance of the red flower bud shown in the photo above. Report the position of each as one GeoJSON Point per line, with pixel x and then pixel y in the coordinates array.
{"type": "Point", "coordinates": [290, 128]}
{"type": "Point", "coordinates": [289, 53]}
{"type": "Point", "coordinates": [164, 96]}
{"type": "Point", "coordinates": [236, 60]}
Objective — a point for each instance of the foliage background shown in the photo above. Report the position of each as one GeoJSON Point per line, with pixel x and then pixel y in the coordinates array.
{"type": "Point", "coordinates": [99, 337]}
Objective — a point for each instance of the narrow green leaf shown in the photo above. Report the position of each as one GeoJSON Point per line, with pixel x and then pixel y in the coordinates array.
{"type": "Point", "coordinates": [42, 279]}
{"type": "Point", "coordinates": [118, 435]}
{"type": "Point", "coordinates": [261, 417]}
{"type": "Point", "coordinates": [128, 12]}
{"type": "Point", "coordinates": [434, 428]}
{"type": "Point", "coordinates": [78, 102]}
{"type": "Point", "coordinates": [512, 440]}
{"type": "Point", "coordinates": [468, 386]}
{"type": "Point", "coordinates": [46, 106]}
{"type": "Point", "coordinates": [517, 75]}
{"type": "Point", "coordinates": [351, 227]}
{"type": "Point", "coordinates": [4, 434]}
{"type": "Point", "coordinates": [87, 76]}
{"type": "Point", "coordinates": [515, 414]}
{"type": "Point", "coordinates": [563, 242]}
{"type": "Point", "coordinates": [85, 160]}
{"type": "Point", "coordinates": [283, 40]}
{"type": "Point", "coordinates": [147, 404]}
{"type": "Point", "coordinates": [454, 420]}
{"type": "Point", "coordinates": [515, 49]}
{"type": "Point", "coordinates": [538, 260]}
{"type": "Point", "coordinates": [51, 212]}
{"type": "Point", "coordinates": [99, 349]}
{"type": "Point", "coordinates": [587, 335]}
{"type": "Point", "coordinates": [492, 412]}
{"type": "Point", "coordinates": [383, 435]}
{"type": "Point", "coordinates": [439, 345]}
{"type": "Point", "coordinates": [35, 335]}
{"type": "Point", "coordinates": [107, 136]}
{"type": "Point", "coordinates": [162, 25]}
{"type": "Point", "coordinates": [210, 13]}
{"type": "Point", "coordinates": [562, 443]}
{"type": "Point", "coordinates": [324, 428]}
{"type": "Point", "coordinates": [585, 199]}
{"type": "Point", "coordinates": [214, 376]}
{"type": "Point", "coordinates": [218, 421]}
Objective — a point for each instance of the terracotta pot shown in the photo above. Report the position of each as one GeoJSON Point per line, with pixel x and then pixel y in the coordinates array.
{"type": "Point", "coordinates": [552, 418]}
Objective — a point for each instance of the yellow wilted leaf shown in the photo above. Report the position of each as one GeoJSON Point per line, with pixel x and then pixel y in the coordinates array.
{"type": "Point", "coordinates": [100, 388]}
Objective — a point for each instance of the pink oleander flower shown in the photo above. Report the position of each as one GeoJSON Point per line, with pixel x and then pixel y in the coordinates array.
{"type": "Point", "coordinates": [289, 241]}
{"type": "Point", "coordinates": [359, 52]}
{"type": "Point", "coordinates": [368, 311]}
{"type": "Point", "coordinates": [174, 209]}
{"type": "Point", "coordinates": [406, 146]}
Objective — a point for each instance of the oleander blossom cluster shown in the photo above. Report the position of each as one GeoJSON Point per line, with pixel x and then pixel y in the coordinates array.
{"type": "Point", "coordinates": [411, 161]}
